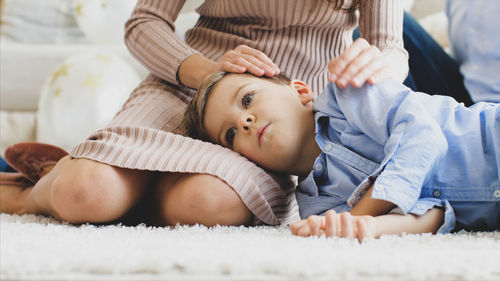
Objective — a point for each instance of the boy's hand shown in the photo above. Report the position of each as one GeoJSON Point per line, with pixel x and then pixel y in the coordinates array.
{"type": "Point", "coordinates": [333, 224]}
{"type": "Point", "coordinates": [358, 64]}
{"type": "Point", "coordinates": [246, 59]}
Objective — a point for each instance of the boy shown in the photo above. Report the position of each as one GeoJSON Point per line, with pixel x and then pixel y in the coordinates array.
{"type": "Point", "coordinates": [431, 162]}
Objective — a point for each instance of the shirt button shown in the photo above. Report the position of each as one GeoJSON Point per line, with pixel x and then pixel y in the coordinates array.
{"type": "Point", "coordinates": [328, 147]}
{"type": "Point", "coordinates": [436, 193]}
{"type": "Point", "coordinates": [318, 167]}
{"type": "Point", "coordinates": [496, 194]}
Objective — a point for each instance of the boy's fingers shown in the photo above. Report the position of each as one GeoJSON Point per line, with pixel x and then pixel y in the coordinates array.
{"type": "Point", "coordinates": [294, 227]}
{"type": "Point", "coordinates": [304, 230]}
{"type": "Point", "coordinates": [366, 228]}
{"type": "Point", "coordinates": [346, 222]}
{"type": "Point", "coordinates": [362, 231]}
{"type": "Point", "coordinates": [314, 225]}
{"type": "Point", "coordinates": [331, 223]}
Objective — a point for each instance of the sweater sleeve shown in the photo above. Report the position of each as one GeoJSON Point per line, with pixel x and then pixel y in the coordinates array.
{"type": "Point", "coordinates": [150, 37]}
{"type": "Point", "coordinates": [381, 24]}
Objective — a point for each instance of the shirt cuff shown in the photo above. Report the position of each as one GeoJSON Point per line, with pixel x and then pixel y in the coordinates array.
{"type": "Point", "coordinates": [383, 189]}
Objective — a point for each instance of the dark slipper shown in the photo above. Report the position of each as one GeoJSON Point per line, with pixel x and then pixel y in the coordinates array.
{"type": "Point", "coordinates": [30, 158]}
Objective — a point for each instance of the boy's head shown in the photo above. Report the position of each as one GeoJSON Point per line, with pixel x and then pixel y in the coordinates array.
{"type": "Point", "coordinates": [268, 120]}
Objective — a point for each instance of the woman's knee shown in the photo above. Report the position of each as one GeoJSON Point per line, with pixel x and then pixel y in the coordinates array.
{"type": "Point", "coordinates": [87, 191]}
{"type": "Point", "coordinates": [202, 199]}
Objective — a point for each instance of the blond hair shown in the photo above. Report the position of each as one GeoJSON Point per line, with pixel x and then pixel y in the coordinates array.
{"type": "Point", "coordinates": [193, 123]}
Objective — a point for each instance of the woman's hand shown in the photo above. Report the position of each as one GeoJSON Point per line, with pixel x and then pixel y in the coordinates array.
{"type": "Point", "coordinates": [333, 224]}
{"type": "Point", "coordinates": [358, 64]}
{"type": "Point", "coordinates": [246, 59]}
{"type": "Point", "coordinates": [193, 70]}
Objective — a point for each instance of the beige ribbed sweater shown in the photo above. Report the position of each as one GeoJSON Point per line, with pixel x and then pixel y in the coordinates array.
{"type": "Point", "coordinates": [300, 36]}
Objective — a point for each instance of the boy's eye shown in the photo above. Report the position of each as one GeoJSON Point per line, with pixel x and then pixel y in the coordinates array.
{"type": "Point", "coordinates": [230, 134]}
{"type": "Point", "coordinates": [247, 99]}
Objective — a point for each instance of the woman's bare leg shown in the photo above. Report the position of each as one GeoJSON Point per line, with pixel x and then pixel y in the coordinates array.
{"type": "Point", "coordinates": [199, 198]}
{"type": "Point", "coordinates": [79, 190]}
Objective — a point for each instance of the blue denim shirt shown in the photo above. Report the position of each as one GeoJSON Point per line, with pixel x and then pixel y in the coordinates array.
{"type": "Point", "coordinates": [419, 151]}
{"type": "Point", "coordinates": [475, 41]}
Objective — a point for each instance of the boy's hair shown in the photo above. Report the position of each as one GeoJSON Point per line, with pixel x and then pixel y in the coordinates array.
{"type": "Point", "coordinates": [195, 112]}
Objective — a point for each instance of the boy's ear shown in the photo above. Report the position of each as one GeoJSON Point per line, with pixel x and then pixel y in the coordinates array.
{"type": "Point", "coordinates": [305, 93]}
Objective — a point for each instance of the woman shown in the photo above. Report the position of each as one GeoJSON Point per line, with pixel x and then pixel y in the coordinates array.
{"type": "Point", "coordinates": [142, 153]}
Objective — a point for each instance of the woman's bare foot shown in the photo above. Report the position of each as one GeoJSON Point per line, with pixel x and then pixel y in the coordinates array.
{"type": "Point", "coordinates": [13, 199]}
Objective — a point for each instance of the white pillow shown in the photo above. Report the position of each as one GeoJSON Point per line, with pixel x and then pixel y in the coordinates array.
{"type": "Point", "coordinates": [39, 21]}
{"type": "Point", "coordinates": [81, 96]}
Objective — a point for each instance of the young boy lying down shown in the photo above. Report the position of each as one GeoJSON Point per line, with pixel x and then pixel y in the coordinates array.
{"type": "Point", "coordinates": [388, 159]}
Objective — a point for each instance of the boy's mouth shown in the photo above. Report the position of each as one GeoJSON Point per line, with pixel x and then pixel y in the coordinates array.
{"type": "Point", "coordinates": [261, 132]}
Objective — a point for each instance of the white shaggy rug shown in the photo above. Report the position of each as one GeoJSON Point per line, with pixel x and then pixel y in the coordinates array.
{"type": "Point", "coordinates": [39, 248]}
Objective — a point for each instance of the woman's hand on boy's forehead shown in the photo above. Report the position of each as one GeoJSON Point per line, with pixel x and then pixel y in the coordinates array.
{"type": "Point", "coordinates": [246, 59]}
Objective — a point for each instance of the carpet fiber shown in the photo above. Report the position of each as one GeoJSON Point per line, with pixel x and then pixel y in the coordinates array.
{"type": "Point", "coordinates": [39, 248]}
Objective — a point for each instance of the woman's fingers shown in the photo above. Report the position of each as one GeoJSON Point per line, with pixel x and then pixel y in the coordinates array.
{"type": "Point", "coordinates": [381, 74]}
{"type": "Point", "coordinates": [360, 63]}
{"type": "Point", "coordinates": [338, 65]}
{"type": "Point", "coordinates": [235, 62]}
{"type": "Point", "coordinates": [353, 73]}
{"type": "Point", "coordinates": [258, 55]}
{"type": "Point", "coordinates": [231, 67]}
{"type": "Point", "coordinates": [244, 58]}
{"type": "Point", "coordinates": [370, 73]}
{"type": "Point", "coordinates": [268, 70]}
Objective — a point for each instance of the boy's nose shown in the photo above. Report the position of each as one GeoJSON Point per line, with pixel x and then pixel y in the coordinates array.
{"type": "Point", "coordinates": [246, 121]}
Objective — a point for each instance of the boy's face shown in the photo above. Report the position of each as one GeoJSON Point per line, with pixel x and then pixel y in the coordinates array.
{"type": "Point", "coordinates": [267, 122]}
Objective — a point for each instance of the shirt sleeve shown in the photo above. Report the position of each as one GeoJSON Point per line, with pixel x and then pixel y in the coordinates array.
{"type": "Point", "coordinates": [150, 37]}
{"type": "Point", "coordinates": [381, 24]}
{"type": "Point", "coordinates": [414, 144]}
{"type": "Point", "coordinates": [423, 205]}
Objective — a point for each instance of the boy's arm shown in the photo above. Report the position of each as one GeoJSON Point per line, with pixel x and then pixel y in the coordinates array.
{"type": "Point", "coordinates": [370, 206]}
{"type": "Point", "coordinates": [414, 144]}
{"type": "Point", "coordinates": [361, 227]}
{"type": "Point", "coordinates": [409, 223]}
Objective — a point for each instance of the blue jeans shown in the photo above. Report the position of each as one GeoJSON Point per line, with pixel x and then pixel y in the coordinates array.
{"type": "Point", "coordinates": [4, 167]}
{"type": "Point", "coordinates": [432, 70]}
